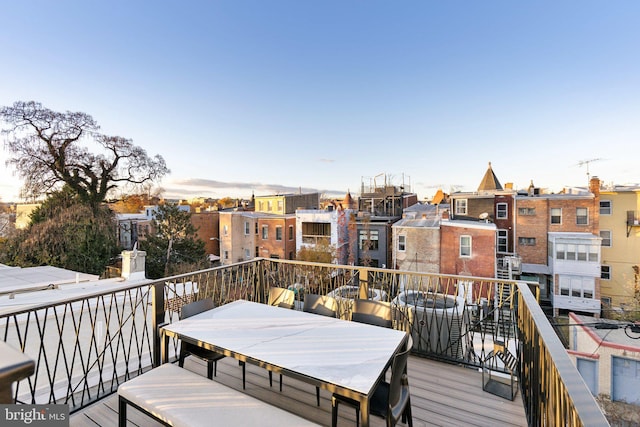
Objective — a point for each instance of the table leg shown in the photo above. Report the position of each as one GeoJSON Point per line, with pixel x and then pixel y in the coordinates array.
{"type": "Point", "coordinates": [164, 347]}
{"type": "Point", "coordinates": [364, 411]}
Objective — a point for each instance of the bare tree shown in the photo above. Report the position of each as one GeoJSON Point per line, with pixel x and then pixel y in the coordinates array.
{"type": "Point", "coordinates": [51, 149]}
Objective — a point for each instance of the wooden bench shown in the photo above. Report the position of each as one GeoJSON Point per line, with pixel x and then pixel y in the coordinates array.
{"type": "Point", "coordinates": [178, 397]}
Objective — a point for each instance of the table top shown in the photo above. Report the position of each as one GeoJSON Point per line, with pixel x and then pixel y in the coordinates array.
{"type": "Point", "coordinates": [330, 351]}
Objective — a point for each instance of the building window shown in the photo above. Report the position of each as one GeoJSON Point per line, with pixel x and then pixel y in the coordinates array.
{"type": "Point", "coordinates": [402, 243]}
{"type": "Point", "coordinates": [247, 228]}
{"type": "Point", "coordinates": [265, 232]}
{"type": "Point", "coordinates": [368, 241]}
{"type": "Point", "coordinates": [556, 215]}
{"type": "Point", "coordinates": [314, 233]}
{"type": "Point", "coordinates": [582, 216]}
{"type": "Point", "coordinates": [290, 233]}
{"type": "Point", "coordinates": [269, 206]}
{"type": "Point", "coordinates": [278, 233]}
{"type": "Point", "coordinates": [225, 229]}
{"type": "Point", "coordinates": [256, 228]}
{"type": "Point", "coordinates": [226, 254]}
{"type": "Point", "coordinates": [465, 246]}
{"type": "Point", "coordinates": [503, 241]}
{"type": "Point", "coordinates": [606, 238]}
{"type": "Point", "coordinates": [576, 286]}
{"type": "Point", "coordinates": [291, 255]}
{"type": "Point", "coordinates": [501, 211]}
{"type": "Point", "coordinates": [527, 241]}
{"type": "Point", "coordinates": [260, 206]}
{"type": "Point", "coordinates": [280, 206]}
{"type": "Point", "coordinates": [594, 252]}
{"type": "Point", "coordinates": [247, 254]}
{"type": "Point", "coordinates": [526, 211]}
{"type": "Point", "coordinates": [605, 272]}
{"type": "Point", "coordinates": [605, 207]}
{"type": "Point", "coordinates": [561, 251]}
{"type": "Point", "coordinates": [461, 206]}
{"type": "Point", "coordinates": [582, 253]}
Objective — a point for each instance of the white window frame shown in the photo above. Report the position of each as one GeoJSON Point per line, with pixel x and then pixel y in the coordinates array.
{"type": "Point", "coordinates": [502, 239]}
{"type": "Point", "coordinates": [607, 242]}
{"type": "Point", "coordinates": [265, 232]}
{"type": "Point", "coordinates": [402, 243]}
{"type": "Point", "coordinates": [464, 245]}
{"type": "Point", "coordinates": [552, 216]}
{"type": "Point", "coordinates": [502, 211]}
{"type": "Point", "coordinates": [225, 230]}
{"type": "Point", "coordinates": [461, 206]}
{"type": "Point", "coordinates": [278, 230]}
{"type": "Point", "coordinates": [247, 228]}
{"type": "Point", "coordinates": [291, 234]}
{"type": "Point", "coordinates": [584, 217]}
{"type": "Point", "coordinates": [605, 275]}
{"type": "Point", "coordinates": [606, 207]}
{"type": "Point", "coordinates": [247, 254]}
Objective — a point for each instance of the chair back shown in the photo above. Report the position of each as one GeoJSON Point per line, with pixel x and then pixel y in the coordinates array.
{"type": "Point", "coordinates": [376, 313]}
{"type": "Point", "coordinates": [281, 297]}
{"type": "Point", "coordinates": [399, 385]}
{"type": "Point", "coordinates": [196, 307]}
{"type": "Point", "coordinates": [320, 304]}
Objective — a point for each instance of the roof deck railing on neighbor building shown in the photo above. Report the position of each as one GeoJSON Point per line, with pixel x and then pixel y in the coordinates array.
{"type": "Point", "coordinates": [84, 347]}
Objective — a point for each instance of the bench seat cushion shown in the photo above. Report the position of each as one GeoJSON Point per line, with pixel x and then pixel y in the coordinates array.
{"type": "Point", "coordinates": [180, 397]}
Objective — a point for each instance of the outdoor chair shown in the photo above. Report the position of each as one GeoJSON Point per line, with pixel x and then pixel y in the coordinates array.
{"type": "Point", "coordinates": [281, 297]}
{"type": "Point", "coordinates": [320, 304]}
{"type": "Point", "coordinates": [186, 349]}
{"type": "Point", "coordinates": [391, 400]}
{"type": "Point", "coordinates": [324, 306]}
{"type": "Point", "coordinates": [376, 313]}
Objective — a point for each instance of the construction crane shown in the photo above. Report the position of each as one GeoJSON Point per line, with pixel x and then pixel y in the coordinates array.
{"type": "Point", "coordinates": [586, 162]}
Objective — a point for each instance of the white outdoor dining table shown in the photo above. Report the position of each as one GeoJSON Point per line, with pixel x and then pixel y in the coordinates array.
{"type": "Point", "coordinates": [346, 358]}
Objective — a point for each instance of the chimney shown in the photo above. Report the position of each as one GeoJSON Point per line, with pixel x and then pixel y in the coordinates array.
{"type": "Point", "coordinates": [133, 264]}
{"type": "Point", "coordinates": [594, 186]}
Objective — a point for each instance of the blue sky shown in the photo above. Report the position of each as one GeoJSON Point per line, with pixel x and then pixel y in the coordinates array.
{"type": "Point", "coordinates": [276, 96]}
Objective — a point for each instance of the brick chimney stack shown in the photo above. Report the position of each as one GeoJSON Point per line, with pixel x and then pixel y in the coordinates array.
{"type": "Point", "coordinates": [594, 186]}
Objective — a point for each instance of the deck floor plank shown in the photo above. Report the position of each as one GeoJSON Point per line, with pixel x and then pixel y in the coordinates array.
{"type": "Point", "coordinates": [441, 395]}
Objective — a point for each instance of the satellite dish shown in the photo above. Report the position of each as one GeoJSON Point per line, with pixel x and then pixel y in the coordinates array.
{"type": "Point", "coordinates": [483, 215]}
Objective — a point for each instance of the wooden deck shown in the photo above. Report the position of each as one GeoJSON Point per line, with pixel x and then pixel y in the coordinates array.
{"type": "Point", "coordinates": [441, 395]}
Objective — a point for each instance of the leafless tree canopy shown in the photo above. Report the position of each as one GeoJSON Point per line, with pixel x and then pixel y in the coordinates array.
{"type": "Point", "coordinates": [51, 149]}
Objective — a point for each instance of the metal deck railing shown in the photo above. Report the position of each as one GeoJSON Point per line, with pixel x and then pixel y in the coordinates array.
{"type": "Point", "coordinates": [84, 347]}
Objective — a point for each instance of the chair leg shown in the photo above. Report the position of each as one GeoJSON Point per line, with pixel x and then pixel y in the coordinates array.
{"type": "Point", "coordinates": [318, 395]}
{"type": "Point", "coordinates": [122, 412]}
{"type": "Point", "coordinates": [244, 376]}
{"type": "Point", "coordinates": [334, 412]}
{"type": "Point", "coordinates": [210, 370]}
{"type": "Point", "coordinates": [406, 415]}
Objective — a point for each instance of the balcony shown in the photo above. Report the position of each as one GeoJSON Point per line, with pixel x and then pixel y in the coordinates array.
{"type": "Point", "coordinates": [633, 220]}
{"type": "Point", "coordinates": [86, 346]}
